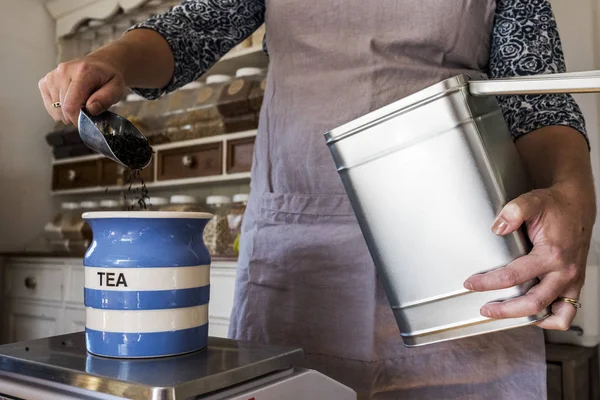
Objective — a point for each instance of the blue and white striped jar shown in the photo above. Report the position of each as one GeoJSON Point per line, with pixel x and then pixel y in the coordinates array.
{"type": "Point", "coordinates": [147, 283]}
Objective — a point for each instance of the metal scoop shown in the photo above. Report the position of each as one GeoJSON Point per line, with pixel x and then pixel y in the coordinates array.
{"type": "Point", "coordinates": [91, 128]}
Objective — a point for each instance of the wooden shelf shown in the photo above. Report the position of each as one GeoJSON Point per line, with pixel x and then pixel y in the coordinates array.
{"type": "Point", "coordinates": [225, 177]}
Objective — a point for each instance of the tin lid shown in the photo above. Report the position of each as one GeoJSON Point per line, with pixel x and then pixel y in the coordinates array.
{"type": "Point", "coordinates": [183, 199]}
{"type": "Point", "coordinates": [401, 106]}
{"type": "Point", "coordinates": [88, 205]}
{"type": "Point", "coordinates": [134, 97]}
{"type": "Point", "coordinates": [217, 79]}
{"type": "Point", "coordinates": [109, 203]}
{"type": "Point", "coordinates": [248, 72]}
{"type": "Point", "coordinates": [241, 198]}
{"type": "Point", "coordinates": [158, 201]}
{"type": "Point", "coordinates": [192, 85]}
{"type": "Point", "coordinates": [217, 200]}
{"type": "Point", "coordinates": [69, 206]}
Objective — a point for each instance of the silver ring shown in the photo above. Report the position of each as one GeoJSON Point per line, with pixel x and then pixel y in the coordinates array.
{"type": "Point", "coordinates": [56, 105]}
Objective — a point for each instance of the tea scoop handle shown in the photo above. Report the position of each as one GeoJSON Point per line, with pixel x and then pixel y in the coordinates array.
{"type": "Point", "coordinates": [568, 82]}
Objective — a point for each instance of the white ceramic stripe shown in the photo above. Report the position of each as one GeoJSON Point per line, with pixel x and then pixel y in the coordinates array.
{"type": "Point", "coordinates": [145, 321]}
{"type": "Point", "coordinates": [140, 279]}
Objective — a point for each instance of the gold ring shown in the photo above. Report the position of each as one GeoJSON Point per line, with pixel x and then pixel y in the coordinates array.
{"type": "Point", "coordinates": [56, 105]}
{"type": "Point", "coordinates": [573, 302]}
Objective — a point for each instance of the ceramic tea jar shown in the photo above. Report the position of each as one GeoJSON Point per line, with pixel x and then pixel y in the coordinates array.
{"type": "Point", "coordinates": [147, 283]}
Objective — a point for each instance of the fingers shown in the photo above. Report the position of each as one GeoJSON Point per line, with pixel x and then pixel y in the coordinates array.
{"type": "Point", "coordinates": [517, 212]}
{"type": "Point", "coordinates": [106, 96]}
{"type": "Point", "coordinates": [563, 313]}
{"type": "Point", "coordinates": [535, 301]}
{"type": "Point", "coordinates": [519, 271]}
{"type": "Point", "coordinates": [91, 82]}
{"type": "Point", "coordinates": [47, 97]}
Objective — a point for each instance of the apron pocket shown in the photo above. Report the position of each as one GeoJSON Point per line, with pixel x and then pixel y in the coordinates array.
{"type": "Point", "coordinates": [305, 240]}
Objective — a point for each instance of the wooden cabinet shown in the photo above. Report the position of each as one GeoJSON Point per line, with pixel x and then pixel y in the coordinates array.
{"type": "Point", "coordinates": [239, 155]}
{"type": "Point", "coordinates": [75, 175]}
{"type": "Point", "coordinates": [54, 305]}
{"type": "Point", "coordinates": [190, 162]}
{"type": "Point", "coordinates": [26, 321]}
{"type": "Point", "coordinates": [573, 372]}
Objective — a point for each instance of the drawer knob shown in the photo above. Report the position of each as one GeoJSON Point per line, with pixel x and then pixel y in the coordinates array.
{"type": "Point", "coordinates": [187, 161]}
{"type": "Point", "coordinates": [30, 282]}
{"type": "Point", "coordinates": [71, 175]}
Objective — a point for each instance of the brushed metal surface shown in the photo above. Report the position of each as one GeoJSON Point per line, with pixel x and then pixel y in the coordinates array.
{"type": "Point", "coordinates": [426, 177]}
{"type": "Point", "coordinates": [62, 363]}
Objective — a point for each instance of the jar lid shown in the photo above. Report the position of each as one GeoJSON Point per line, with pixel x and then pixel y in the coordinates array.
{"type": "Point", "coordinates": [217, 79]}
{"type": "Point", "coordinates": [183, 199]}
{"type": "Point", "coordinates": [69, 206]}
{"type": "Point", "coordinates": [247, 72]}
{"type": "Point", "coordinates": [191, 85]}
{"type": "Point", "coordinates": [88, 204]}
{"type": "Point", "coordinates": [217, 200]}
{"type": "Point", "coordinates": [241, 198]}
{"type": "Point", "coordinates": [158, 201]}
{"type": "Point", "coordinates": [134, 97]}
{"type": "Point", "coordinates": [109, 203]}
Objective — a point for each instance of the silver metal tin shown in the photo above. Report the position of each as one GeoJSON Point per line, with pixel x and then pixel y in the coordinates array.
{"type": "Point", "coordinates": [426, 177]}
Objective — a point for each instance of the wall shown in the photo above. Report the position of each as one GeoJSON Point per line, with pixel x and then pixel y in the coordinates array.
{"type": "Point", "coordinates": [578, 27]}
{"type": "Point", "coordinates": [27, 52]}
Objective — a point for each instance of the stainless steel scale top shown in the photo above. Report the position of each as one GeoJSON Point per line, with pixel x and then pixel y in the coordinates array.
{"type": "Point", "coordinates": [63, 360]}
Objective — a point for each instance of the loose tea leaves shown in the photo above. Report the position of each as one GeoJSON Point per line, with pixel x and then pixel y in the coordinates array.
{"type": "Point", "coordinates": [142, 192]}
{"type": "Point", "coordinates": [133, 151]}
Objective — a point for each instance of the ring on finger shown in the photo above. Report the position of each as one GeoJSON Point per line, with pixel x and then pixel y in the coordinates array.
{"type": "Point", "coordinates": [56, 105]}
{"type": "Point", "coordinates": [571, 301]}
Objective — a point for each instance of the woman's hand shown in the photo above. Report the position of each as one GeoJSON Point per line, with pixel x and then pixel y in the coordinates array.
{"type": "Point", "coordinates": [91, 81]}
{"type": "Point", "coordinates": [560, 228]}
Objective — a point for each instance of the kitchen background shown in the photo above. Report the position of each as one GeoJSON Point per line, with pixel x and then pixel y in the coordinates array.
{"type": "Point", "coordinates": [197, 154]}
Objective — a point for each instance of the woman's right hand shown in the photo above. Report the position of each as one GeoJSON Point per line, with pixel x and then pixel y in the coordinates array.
{"type": "Point", "coordinates": [91, 81]}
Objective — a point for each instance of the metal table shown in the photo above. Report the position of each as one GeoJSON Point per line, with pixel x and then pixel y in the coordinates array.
{"type": "Point", "coordinates": [60, 368]}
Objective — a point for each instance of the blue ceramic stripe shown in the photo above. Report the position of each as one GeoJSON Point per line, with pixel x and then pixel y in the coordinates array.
{"type": "Point", "coordinates": [147, 242]}
{"type": "Point", "coordinates": [153, 344]}
{"type": "Point", "coordinates": [146, 300]}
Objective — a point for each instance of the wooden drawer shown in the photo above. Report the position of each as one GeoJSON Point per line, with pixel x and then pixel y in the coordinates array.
{"type": "Point", "coordinates": [75, 175]}
{"type": "Point", "coordinates": [239, 155]}
{"type": "Point", "coordinates": [30, 282]}
{"type": "Point", "coordinates": [112, 173]}
{"type": "Point", "coordinates": [190, 162]}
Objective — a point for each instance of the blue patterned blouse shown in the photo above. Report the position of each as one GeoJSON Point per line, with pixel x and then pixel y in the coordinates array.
{"type": "Point", "coordinates": [525, 41]}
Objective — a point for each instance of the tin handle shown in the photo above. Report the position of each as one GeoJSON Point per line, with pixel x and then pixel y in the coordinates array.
{"type": "Point", "coordinates": [568, 82]}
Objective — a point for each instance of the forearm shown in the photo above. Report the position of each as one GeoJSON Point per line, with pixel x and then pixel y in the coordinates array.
{"type": "Point", "coordinates": [143, 56]}
{"type": "Point", "coordinates": [558, 156]}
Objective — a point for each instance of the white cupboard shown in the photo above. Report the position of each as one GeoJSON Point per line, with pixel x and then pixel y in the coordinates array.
{"type": "Point", "coordinates": [44, 297]}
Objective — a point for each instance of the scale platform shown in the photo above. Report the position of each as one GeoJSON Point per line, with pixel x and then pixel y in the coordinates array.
{"type": "Point", "coordinates": [60, 367]}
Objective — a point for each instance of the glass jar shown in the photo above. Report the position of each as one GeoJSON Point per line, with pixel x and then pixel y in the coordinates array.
{"type": "Point", "coordinates": [152, 116]}
{"type": "Point", "coordinates": [110, 205]}
{"type": "Point", "coordinates": [157, 203]}
{"type": "Point", "coordinates": [181, 202]}
{"type": "Point", "coordinates": [234, 220]}
{"type": "Point", "coordinates": [216, 234]}
{"type": "Point", "coordinates": [234, 99]}
{"type": "Point", "coordinates": [177, 114]}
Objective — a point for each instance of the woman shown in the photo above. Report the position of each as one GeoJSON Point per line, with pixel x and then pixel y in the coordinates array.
{"type": "Point", "coordinates": [305, 276]}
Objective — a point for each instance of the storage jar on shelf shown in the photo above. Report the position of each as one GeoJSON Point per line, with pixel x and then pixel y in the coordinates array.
{"type": "Point", "coordinates": [152, 116]}
{"type": "Point", "coordinates": [234, 219]}
{"type": "Point", "coordinates": [156, 203]}
{"type": "Point", "coordinates": [181, 202]}
{"type": "Point", "coordinates": [235, 105]}
{"type": "Point", "coordinates": [216, 235]}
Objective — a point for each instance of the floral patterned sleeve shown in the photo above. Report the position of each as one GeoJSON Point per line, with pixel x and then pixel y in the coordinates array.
{"type": "Point", "coordinates": [200, 32]}
{"type": "Point", "coordinates": [525, 41]}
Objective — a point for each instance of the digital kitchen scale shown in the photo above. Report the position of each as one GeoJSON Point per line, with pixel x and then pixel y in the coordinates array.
{"type": "Point", "coordinates": [60, 368]}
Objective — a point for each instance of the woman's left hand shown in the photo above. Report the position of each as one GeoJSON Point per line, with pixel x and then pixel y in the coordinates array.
{"type": "Point", "coordinates": [560, 229]}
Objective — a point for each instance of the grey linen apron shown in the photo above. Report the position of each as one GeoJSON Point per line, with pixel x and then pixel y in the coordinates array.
{"type": "Point", "coordinates": [305, 276]}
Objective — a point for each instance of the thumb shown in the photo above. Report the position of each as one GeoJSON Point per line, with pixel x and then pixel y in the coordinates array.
{"type": "Point", "coordinates": [109, 94]}
{"type": "Point", "coordinates": [514, 214]}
